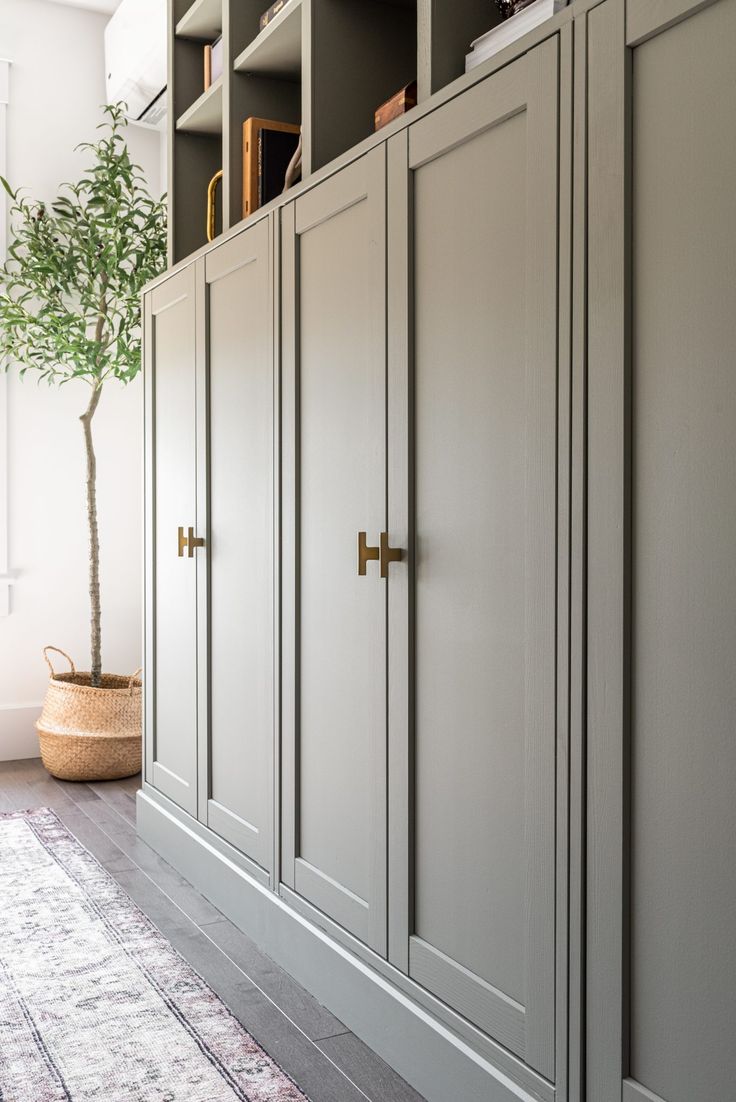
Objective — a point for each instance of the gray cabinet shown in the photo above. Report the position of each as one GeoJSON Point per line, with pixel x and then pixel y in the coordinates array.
{"type": "Point", "coordinates": [662, 534]}
{"type": "Point", "coordinates": [236, 798]}
{"type": "Point", "coordinates": [451, 675]}
{"type": "Point", "coordinates": [172, 382]}
{"type": "Point", "coordinates": [334, 487]}
{"type": "Point", "coordinates": [478, 613]}
{"type": "Point", "coordinates": [210, 400]}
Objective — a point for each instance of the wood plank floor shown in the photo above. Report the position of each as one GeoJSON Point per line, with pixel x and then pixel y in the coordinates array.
{"type": "Point", "coordinates": [328, 1062]}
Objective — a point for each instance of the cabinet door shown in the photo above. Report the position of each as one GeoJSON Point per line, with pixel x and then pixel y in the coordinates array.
{"type": "Point", "coordinates": [171, 581]}
{"type": "Point", "coordinates": [237, 796]}
{"type": "Point", "coordinates": [661, 958]}
{"type": "Point", "coordinates": [474, 745]}
{"type": "Point", "coordinates": [334, 486]}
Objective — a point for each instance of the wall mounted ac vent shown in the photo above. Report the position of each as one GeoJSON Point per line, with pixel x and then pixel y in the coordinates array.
{"type": "Point", "coordinates": [135, 60]}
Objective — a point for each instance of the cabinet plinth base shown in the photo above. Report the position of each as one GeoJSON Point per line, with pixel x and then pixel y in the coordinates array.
{"type": "Point", "coordinates": [428, 1055]}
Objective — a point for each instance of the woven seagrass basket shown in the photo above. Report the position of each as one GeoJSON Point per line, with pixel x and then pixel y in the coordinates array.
{"type": "Point", "coordinates": [90, 734]}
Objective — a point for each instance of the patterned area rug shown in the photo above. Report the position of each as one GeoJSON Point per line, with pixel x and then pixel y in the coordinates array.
{"type": "Point", "coordinates": [94, 1002]}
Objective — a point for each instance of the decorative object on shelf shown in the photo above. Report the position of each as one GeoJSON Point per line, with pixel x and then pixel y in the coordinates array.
{"type": "Point", "coordinates": [268, 148]}
{"type": "Point", "coordinates": [90, 734]}
{"type": "Point", "coordinates": [70, 310]}
{"type": "Point", "coordinates": [508, 8]}
{"type": "Point", "coordinates": [294, 168]}
{"type": "Point", "coordinates": [398, 105]}
{"type": "Point", "coordinates": [526, 15]}
{"type": "Point", "coordinates": [213, 56]}
{"type": "Point", "coordinates": [272, 12]}
{"type": "Point", "coordinates": [211, 206]}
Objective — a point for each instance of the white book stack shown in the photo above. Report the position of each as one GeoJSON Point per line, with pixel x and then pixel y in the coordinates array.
{"type": "Point", "coordinates": [507, 32]}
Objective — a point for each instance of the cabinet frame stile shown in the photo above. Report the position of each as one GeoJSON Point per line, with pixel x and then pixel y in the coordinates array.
{"type": "Point", "coordinates": [608, 549]}
{"type": "Point", "coordinates": [149, 520]}
{"type": "Point", "coordinates": [575, 1022]}
{"type": "Point", "coordinates": [203, 528]}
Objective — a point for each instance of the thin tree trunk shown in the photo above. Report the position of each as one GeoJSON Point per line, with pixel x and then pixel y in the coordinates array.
{"type": "Point", "coordinates": [94, 539]}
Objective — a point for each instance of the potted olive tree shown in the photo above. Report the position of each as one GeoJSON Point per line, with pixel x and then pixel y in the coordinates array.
{"type": "Point", "coordinates": [70, 309]}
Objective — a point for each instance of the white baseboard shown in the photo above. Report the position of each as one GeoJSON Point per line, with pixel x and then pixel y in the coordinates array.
{"type": "Point", "coordinates": [18, 736]}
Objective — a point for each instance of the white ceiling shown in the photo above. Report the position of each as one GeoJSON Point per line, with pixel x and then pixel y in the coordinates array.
{"type": "Point", "coordinates": [108, 6]}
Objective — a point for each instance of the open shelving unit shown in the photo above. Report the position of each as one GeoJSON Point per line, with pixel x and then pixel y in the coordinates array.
{"type": "Point", "coordinates": [323, 64]}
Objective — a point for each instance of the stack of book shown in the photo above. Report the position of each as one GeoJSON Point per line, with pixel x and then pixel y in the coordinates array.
{"type": "Point", "coordinates": [507, 32]}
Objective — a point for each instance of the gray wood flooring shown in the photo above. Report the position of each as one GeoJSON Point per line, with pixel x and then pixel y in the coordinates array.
{"type": "Point", "coordinates": [328, 1062]}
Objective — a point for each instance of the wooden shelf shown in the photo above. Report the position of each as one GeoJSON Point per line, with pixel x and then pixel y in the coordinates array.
{"type": "Point", "coordinates": [277, 50]}
{"type": "Point", "coordinates": [205, 114]}
{"type": "Point", "coordinates": [202, 21]}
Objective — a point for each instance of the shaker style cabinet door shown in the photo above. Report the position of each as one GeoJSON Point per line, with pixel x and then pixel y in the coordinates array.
{"type": "Point", "coordinates": [661, 552]}
{"type": "Point", "coordinates": [334, 600]}
{"type": "Point", "coordinates": [171, 533]}
{"type": "Point", "coordinates": [236, 762]}
{"type": "Point", "coordinates": [473, 200]}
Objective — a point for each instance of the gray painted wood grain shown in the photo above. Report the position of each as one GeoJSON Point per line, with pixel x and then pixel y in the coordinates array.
{"type": "Point", "coordinates": [400, 486]}
{"type": "Point", "coordinates": [339, 664]}
{"type": "Point", "coordinates": [577, 773]}
{"type": "Point", "coordinates": [568, 809]}
{"type": "Point", "coordinates": [645, 18]}
{"type": "Point", "coordinates": [241, 551]}
{"type": "Point", "coordinates": [607, 551]}
{"type": "Point", "coordinates": [683, 753]}
{"type": "Point", "coordinates": [661, 523]}
{"type": "Point", "coordinates": [485, 374]}
{"type": "Point", "coordinates": [173, 667]}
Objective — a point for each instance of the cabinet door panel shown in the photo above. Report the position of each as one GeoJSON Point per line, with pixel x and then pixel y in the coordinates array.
{"type": "Point", "coordinates": [171, 646]}
{"type": "Point", "coordinates": [334, 487]}
{"type": "Point", "coordinates": [483, 221]}
{"type": "Point", "coordinates": [241, 578]}
{"type": "Point", "coordinates": [662, 500]}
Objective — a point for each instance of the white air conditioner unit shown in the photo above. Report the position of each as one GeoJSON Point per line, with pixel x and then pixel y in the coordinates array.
{"type": "Point", "coordinates": [135, 60]}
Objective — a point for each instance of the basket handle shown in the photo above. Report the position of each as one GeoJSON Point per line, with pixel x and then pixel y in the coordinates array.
{"type": "Point", "coordinates": [63, 653]}
{"type": "Point", "coordinates": [133, 677]}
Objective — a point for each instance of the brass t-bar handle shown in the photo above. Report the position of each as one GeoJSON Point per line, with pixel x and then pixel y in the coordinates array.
{"type": "Point", "coordinates": [386, 554]}
{"type": "Point", "coordinates": [365, 553]}
{"type": "Point", "coordinates": [190, 541]}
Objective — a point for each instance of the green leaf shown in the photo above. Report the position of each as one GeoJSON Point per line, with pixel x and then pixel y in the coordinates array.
{"type": "Point", "coordinates": [80, 261]}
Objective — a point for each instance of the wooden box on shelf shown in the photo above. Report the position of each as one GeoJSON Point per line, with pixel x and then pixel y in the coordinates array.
{"type": "Point", "coordinates": [256, 171]}
{"type": "Point", "coordinates": [399, 104]}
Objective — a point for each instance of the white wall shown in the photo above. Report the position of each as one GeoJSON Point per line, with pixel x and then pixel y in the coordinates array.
{"type": "Point", "coordinates": [57, 86]}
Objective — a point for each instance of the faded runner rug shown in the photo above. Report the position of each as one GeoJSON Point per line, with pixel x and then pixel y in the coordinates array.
{"type": "Point", "coordinates": [94, 1002]}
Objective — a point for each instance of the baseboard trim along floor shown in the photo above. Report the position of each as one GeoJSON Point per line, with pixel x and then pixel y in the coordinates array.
{"type": "Point", "coordinates": [436, 1062]}
{"type": "Point", "coordinates": [18, 737]}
